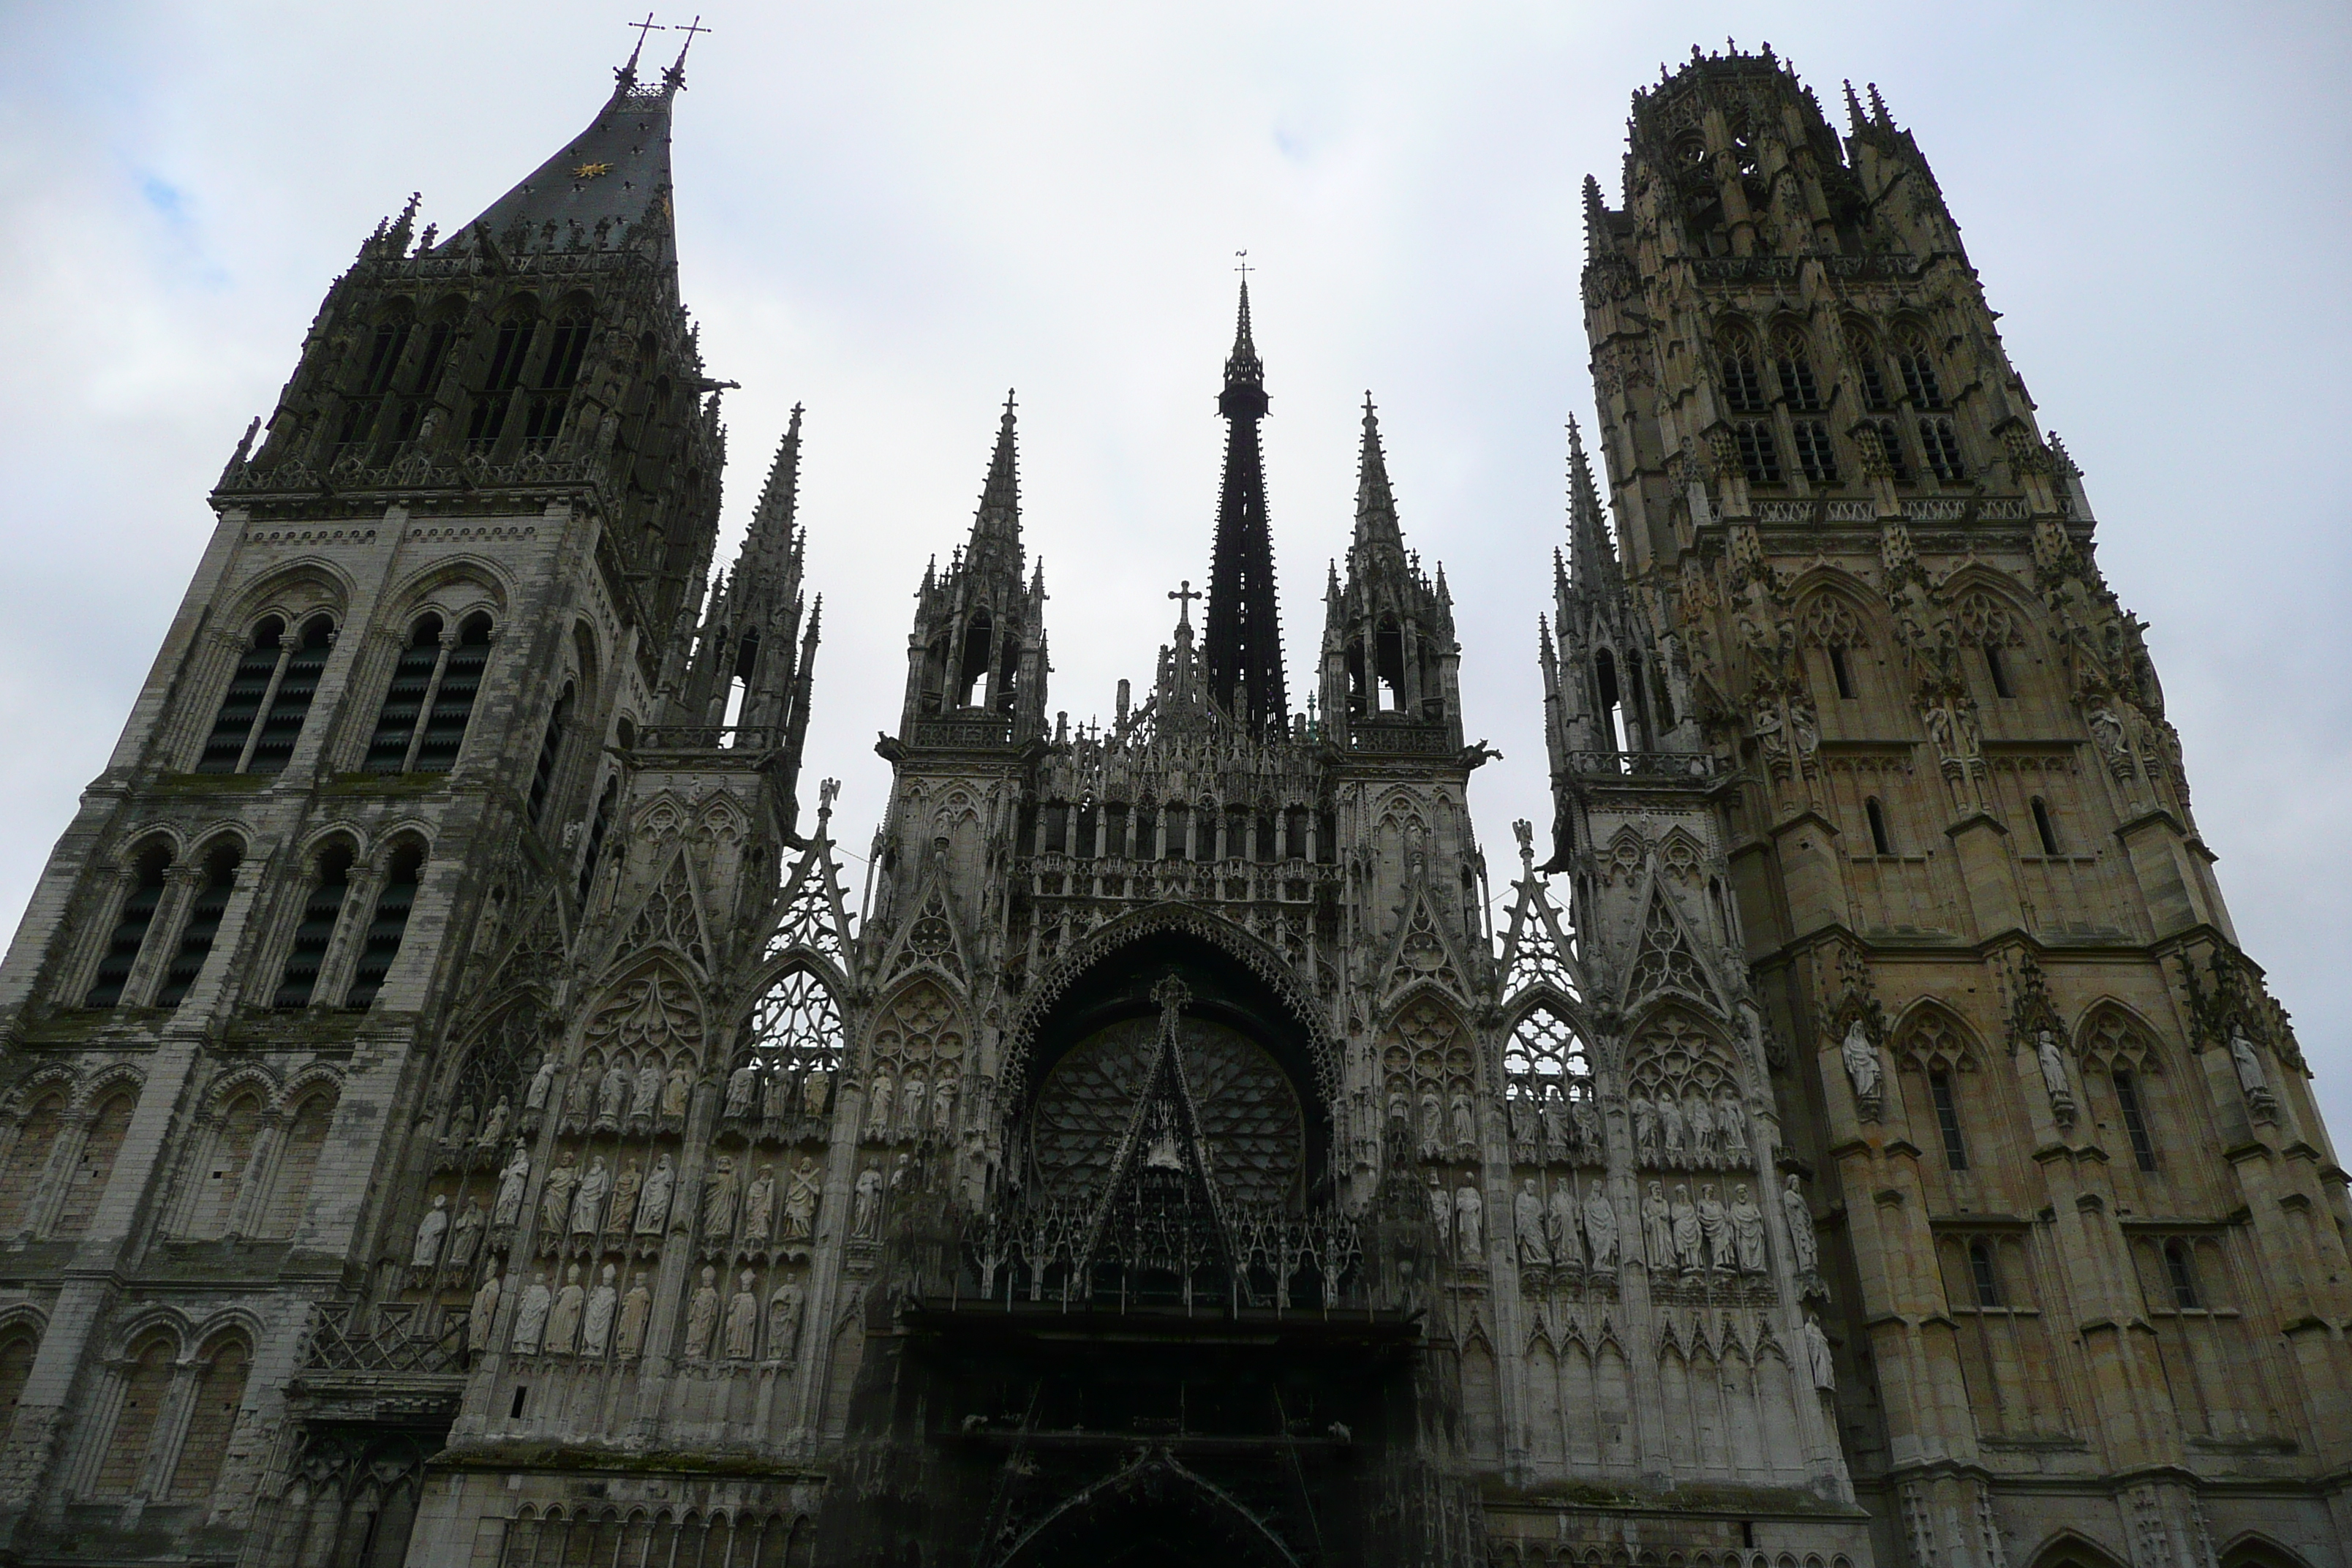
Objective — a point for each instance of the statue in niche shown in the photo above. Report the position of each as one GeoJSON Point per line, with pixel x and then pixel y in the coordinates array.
{"type": "Point", "coordinates": [743, 1087]}
{"type": "Point", "coordinates": [468, 1236]}
{"type": "Point", "coordinates": [1600, 1228]}
{"type": "Point", "coordinates": [1687, 1250]}
{"type": "Point", "coordinates": [563, 1321]}
{"type": "Point", "coordinates": [613, 1095]}
{"type": "Point", "coordinates": [1469, 1239]}
{"type": "Point", "coordinates": [555, 1197]}
{"type": "Point", "coordinates": [718, 1200]}
{"type": "Point", "coordinates": [702, 1316]}
{"type": "Point", "coordinates": [1670, 1128]}
{"type": "Point", "coordinates": [1588, 1130]}
{"type": "Point", "coordinates": [816, 1094]}
{"type": "Point", "coordinates": [426, 1251]}
{"type": "Point", "coordinates": [902, 1172]}
{"type": "Point", "coordinates": [1441, 1212]}
{"type": "Point", "coordinates": [1747, 1231]}
{"type": "Point", "coordinates": [652, 1209]}
{"type": "Point", "coordinates": [636, 1312]}
{"type": "Point", "coordinates": [1567, 1249]}
{"type": "Point", "coordinates": [742, 1321]}
{"type": "Point", "coordinates": [2053, 1062]}
{"type": "Point", "coordinates": [1559, 1134]}
{"type": "Point", "coordinates": [483, 1313]}
{"type": "Point", "coordinates": [1658, 1228]}
{"type": "Point", "coordinates": [625, 1188]}
{"type": "Point", "coordinates": [1715, 1230]}
{"type": "Point", "coordinates": [943, 1099]}
{"type": "Point", "coordinates": [800, 1201]}
{"type": "Point", "coordinates": [775, 1094]}
{"type": "Point", "coordinates": [493, 1131]}
{"type": "Point", "coordinates": [1732, 1121]}
{"type": "Point", "coordinates": [1801, 1228]}
{"type": "Point", "coordinates": [1432, 1125]}
{"type": "Point", "coordinates": [1862, 1069]}
{"type": "Point", "coordinates": [588, 1201]}
{"type": "Point", "coordinates": [535, 1097]}
{"type": "Point", "coordinates": [512, 1182]}
{"type": "Point", "coordinates": [530, 1317]}
{"type": "Point", "coordinates": [1527, 1226]}
{"type": "Point", "coordinates": [1519, 1112]}
{"type": "Point", "coordinates": [878, 1109]}
{"type": "Point", "coordinates": [674, 1090]}
{"type": "Point", "coordinates": [785, 1322]}
{"type": "Point", "coordinates": [2252, 1080]}
{"type": "Point", "coordinates": [760, 1209]}
{"type": "Point", "coordinates": [866, 1221]}
{"type": "Point", "coordinates": [579, 1096]}
{"type": "Point", "coordinates": [645, 1097]}
{"type": "Point", "coordinates": [596, 1325]}
{"type": "Point", "coordinates": [461, 1127]}
{"type": "Point", "coordinates": [1701, 1122]}
{"type": "Point", "coordinates": [1817, 1357]}
{"type": "Point", "coordinates": [1646, 1128]}
{"type": "Point", "coordinates": [910, 1108]}
{"type": "Point", "coordinates": [1466, 1124]}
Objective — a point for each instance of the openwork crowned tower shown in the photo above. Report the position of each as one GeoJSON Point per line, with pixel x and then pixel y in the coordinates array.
{"type": "Point", "coordinates": [450, 1115]}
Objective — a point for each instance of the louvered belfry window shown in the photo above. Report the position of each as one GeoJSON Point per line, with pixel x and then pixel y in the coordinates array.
{"type": "Point", "coordinates": [131, 927]}
{"type": "Point", "coordinates": [321, 911]}
{"type": "Point", "coordinates": [268, 698]}
{"type": "Point", "coordinates": [387, 926]}
{"type": "Point", "coordinates": [430, 699]}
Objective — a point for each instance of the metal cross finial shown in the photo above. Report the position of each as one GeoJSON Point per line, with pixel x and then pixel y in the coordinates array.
{"type": "Point", "coordinates": [689, 30]}
{"type": "Point", "coordinates": [647, 25]}
{"type": "Point", "coordinates": [1245, 268]}
{"type": "Point", "coordinates": [1184, 595]}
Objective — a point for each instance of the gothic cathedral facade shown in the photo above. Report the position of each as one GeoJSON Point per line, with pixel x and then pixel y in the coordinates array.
{"type": "Point", "coordinates": [456, 1110]}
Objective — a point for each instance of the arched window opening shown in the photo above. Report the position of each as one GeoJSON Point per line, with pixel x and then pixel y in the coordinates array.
{"type": "Point", "coordinates": [978, 638]}
{"type": "Point", "coordinates": [1760, 455]}
{"type": "Point", "coordinates": [935, 674]}
{"type": "Point", "coordinates": [1545, 1064]}
{"type": "Point", "coordinates": [28, 1161]}
{"type": "Point", "coordinates": [1795, 371]}
{"type": "Point", "coordinates": [321, 911]}
{"type": "Point", "coordinates": [1918, 370]}
{"type": "Point", "coordinates": [366, 399]}
{"type": "Point", "coordinates": [389, 924]}
{"type": "Point", "coordinates": [507, 358]}
{"type": "Point", "coordinates": [223, 1175]}
{"type": "Point", "coordinates": [1868, 369]}
{"type": "Point", "coordinates": [249, 688]}
{"type": "Point", "coordinates": [2135, 1120]}
{"type": "Point", "coordinates": [95, 1166]}
{"type": "Point", "coordinates": [1880, 844]}
{"type": "Point", "coordinates": [1388, 666]}
{"type": "Point", "coordinates": [297, 1161]}
{"type": "Point", "coordinates": [1841, 672]}
{"type": "Point", "coordinates": [739, 680]}
{"type": "Point", "coordinates": [290, 704]}
{"type": "Point", "coordinates": [1997, 666]}
{"type": "Point", "coordinates": [1816, 455]}
{"type": "Point", "coordinates": [404, 698]}
{"type": "Point", "coordinates": [145, 1385]}
{"type": "Point", "coordinates": [2182, 1275]}
{"type": "Point", "coordinates": [1981, 1272]}
{"type": "Point", "coordinates": [16, 1368]}
{"type": "Point", "coordinates": [1612, 701]}
{"type": "Point", "coordinates": [2044, 827]}
{"type": "Point", "coordinates": [453, 699]}
{"type": "Point", "coordinates": [131, 926]}
{"type": "Point", "coordinates": [1743, 388]}
{"type": "Point", "coordinates": [1947, 1118]}
{"type": "Point", "coordinates": [212, 1417]}
{"type": "Point", "coordinates": [556, 378]}
{"type": "Point", "coordinates": [1941, 444]}
{"type": "Point", "coordinates": [202, 924]}
{"type": "Point", "coordinates": [423, 384]}
{"type": "Point", "coordinates": [551, 751]}
{"type": "Point", "coordinates": [598, 827]}
{"type": "Point", "coordinates": [796, 1030]}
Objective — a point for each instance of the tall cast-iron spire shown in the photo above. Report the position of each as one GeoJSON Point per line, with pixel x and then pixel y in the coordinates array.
{"type": "Point", "coordinates": [1243, 649]}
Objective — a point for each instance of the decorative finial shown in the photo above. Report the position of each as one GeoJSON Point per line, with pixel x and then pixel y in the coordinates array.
{"type": "Point", "coordinates": [675, 75]}
{"type": "Point", "coordinates": [827, 793]}
{"type": "Point", "coordinates": [629, 72]}
{"type": "Point", "coordinates": [1525, 832]}
{"type": "Point", "coordinates": [1171, 993]}
{"type": "Point", "coordinates": [1184, 594]}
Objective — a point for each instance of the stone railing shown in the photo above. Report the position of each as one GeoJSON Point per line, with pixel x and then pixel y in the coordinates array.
{"type": "Point", "coordinates": [748, 739]}
{"type": "Point", "coordinates": [1677, 767]}
{"type": "Point", "coordinates": [1400, 738]}
{"type": "Point", "coordinates": [958, 734]}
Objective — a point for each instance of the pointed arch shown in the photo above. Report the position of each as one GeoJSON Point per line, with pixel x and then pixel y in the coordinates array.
{"type": "Point", "coordinates": [2070, 1549]}
{"type": "Point", "coordinates": [1927, 1036]}
{"type": "Point", "coordinates": [1154, 1496]}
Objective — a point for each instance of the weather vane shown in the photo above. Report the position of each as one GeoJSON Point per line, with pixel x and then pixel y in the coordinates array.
{"type": "Point", "coordinates": [1245, 268]}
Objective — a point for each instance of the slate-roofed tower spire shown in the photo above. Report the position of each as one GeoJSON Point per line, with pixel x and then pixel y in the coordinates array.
{"type": "Point", "coordinates": [1243, 649]}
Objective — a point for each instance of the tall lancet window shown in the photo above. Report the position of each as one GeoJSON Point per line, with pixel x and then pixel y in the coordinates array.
{"type": "Point", "coordinates": [131, 927]}
{"type": "Point", "coordinates": [268, 698]}
{"type": "Point", "coordinates": [201, 925]}
{"type": "Point", "coordinates": [430, 698]}
{"type": "Point", "coordinates": [388, 926]}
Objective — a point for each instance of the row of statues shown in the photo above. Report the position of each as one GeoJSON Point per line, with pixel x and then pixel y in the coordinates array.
{"type": "Point", "coordinates": [1702, 1236]}
{"type": "Point", "coordinates": [1690, 1132]}
{"type": "Point", "coordinates": [588, 1321]}
{"type": "Point", "coordinates": [603, 1100]}
{"type": "Point", "coordinates": [906, 1111]}
{"type": "Point", "coordinates": [1549, 1121]}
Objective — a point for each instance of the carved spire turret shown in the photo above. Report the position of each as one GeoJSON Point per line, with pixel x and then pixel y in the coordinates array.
{"type": "Point", "coordinates": [1242, 647]}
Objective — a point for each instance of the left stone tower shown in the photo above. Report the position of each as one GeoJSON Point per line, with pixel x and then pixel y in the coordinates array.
{"type": "Point", "coordinates": [290, 966]}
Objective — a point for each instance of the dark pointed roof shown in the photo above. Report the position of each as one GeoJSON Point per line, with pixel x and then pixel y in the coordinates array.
{"type": "Point", "coordinates": [616, 173]}
{"type": "Point", "coordinates": [1241, 629]}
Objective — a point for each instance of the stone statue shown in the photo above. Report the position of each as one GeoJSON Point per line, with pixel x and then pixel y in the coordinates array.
{"type": "Point", "coordinates": [580, 1095]}
{"type": "Point", "coordinates": [785, 1322]}
{"type": "Point", "coordinates": [1646, 1128]}
{"type": "Point", "coordinates": [461, 1126]}
{"type": "Point", "coordinates": [1862, 1069]}
{"type": "Point", "coordinates": [1465, 1126]}
{"type": "Point", "coordinates": [1441, 1214]}
{"type": "Point", "coordinates": [760, 1209]}
{"type": "Point", "coordinates": [943, 1099]}
{"type": "Point", "coordinates": [644, 1100]}
{"type": "Point", "coordinates": [483, 1313]}
{"type": "Point", "coordinates": [531, 1318]}
{"type": "Point", "coordinates": [1658, 1228]}
{"type": "Point", "coordinates": [718, 1200]}
{"type": "Point", "coordinates": [625, 1188]}
{"type": "Point", "coordinates": [636, 1310]}
{"type": "Point", "coordinates": [1588, 1141]}
{"type": "Point", "coordinates": [2250, 1077]}
{"type": "Point", "coordinates": [1469, 1224]}
{"type": "Point", "coordinates": [555, 1197]}
{"type": "Point", "coordinates": [800, 1201]}
{"type": "Point", "coordinates": [816, 1094]}
{"type": "Point", "coordinates": [468, 1237]}
{"type": "Point", "coordinates": [910, 1108]}
{"type": "Point", "coordinates": [1559, 1135]}
{"type": "Point", "coordinates": [596, 1325]}
{"type": "Point", "coordinates": [588, 1201]}
{"type": "Point", "coordinates": [776, 1094]}
{"type": "Point", "coordinates": [1686, 1232]}
{"type": "Point", "coordinates": [1817, 1357]}
{"type": "Point", "coordinates": [1432, 1124]}
{"type": "Point", "coordinates": [674, 1090]}
{"type": "Point", "coordinates": [1527, 1226]}
{"type": "Point", "coordinates": [493, 1131]}
{"type": "Point", "coordinates": [512, 1182]}
{"type": "Point", "coordinates": [1600, 1228]}
{"type": "Point", "coordinates": [901, 1171]}
{"type": "Point", "coordinates": [1670, 1129]}
{"type": "Point", "coordinates": [1747, 1231]}
{"type": "Point", "coordinates": [1701, 1122]}
{"type": "Point", "coordinates": [1732, 1121]}
{"type": "Point", "coordinates": [742, 1085]}
{"type": "Point", "coordinates": [2053, 1073]}
{"type": "Point", "coordinates": [1801, 1228]}
{"type": "Point", "coordinates": [612, 1095]}
{"type": "Point", "coordinates": [702, 1316]}
{"type": "Point", "coordinates": [1715, 1230]}
{"type": "Point", "coordinates": [652, 1209]}
{"type": "Point", "coordinates": [563, 1322]}
{"type": "Point", "coordinates": [742, 1321]}
{"type": "Point", "coordinates": [1567, 1249]}
{"type": "Point", "coordinates": [426, 1252]}
{"type": "Point", "coordinates": [878, 1108]}
{"type": "Point", "coordinates": [866, 1222]}
{"type": "Point", "coordinates": [535, 1097]}
{"type": "Point", "coordinates": [1518, 1114]}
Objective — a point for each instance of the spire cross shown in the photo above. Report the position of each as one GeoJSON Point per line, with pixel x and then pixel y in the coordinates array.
{"type": "Point", "coordinates": [689, 30]}
{"type": "Point", "coordinates": [1245, 268]}
{"type": "Point", "coordinates": [1184, 595]}
{"type": "Point", "coordinates": [647, 25]}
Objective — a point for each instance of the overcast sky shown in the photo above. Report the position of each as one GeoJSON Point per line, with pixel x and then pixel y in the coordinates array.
{"type": "Point", "coordinates": [893, 213]}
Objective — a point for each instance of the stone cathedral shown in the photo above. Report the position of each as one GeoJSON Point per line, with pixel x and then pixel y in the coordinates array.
{"type": "Point", "coordinates": [456, 1109]}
